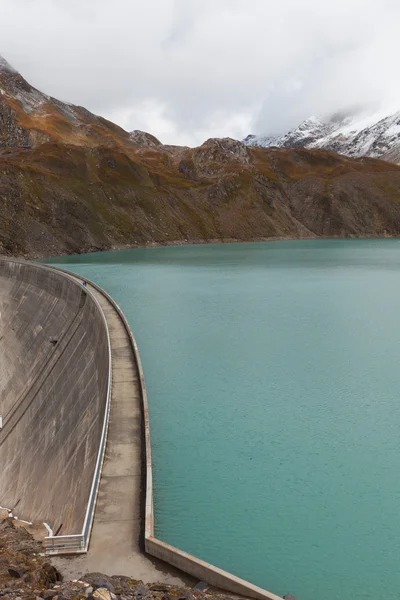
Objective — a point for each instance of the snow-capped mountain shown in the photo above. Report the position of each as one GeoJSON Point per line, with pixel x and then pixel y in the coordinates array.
{"type": "Point", "coordinates": [372, 135]}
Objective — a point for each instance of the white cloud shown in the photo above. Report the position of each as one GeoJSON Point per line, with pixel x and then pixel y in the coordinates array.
{"type": "Point", "coordinates": [191, 69]}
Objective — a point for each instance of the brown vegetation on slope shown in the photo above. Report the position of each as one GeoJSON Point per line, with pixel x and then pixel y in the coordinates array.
{"type": "Point", "coordinates": [58, 198]}
{"type": "Point", "coordinates": [29, 118]}
{"type": "Point", "coordinates": [74, 182]}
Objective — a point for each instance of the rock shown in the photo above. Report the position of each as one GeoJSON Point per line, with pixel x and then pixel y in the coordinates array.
{"type": "Point", "coordinates": [103, 594]}
{"type": "Point", "coordinates": [51, 574]}
{"type": "Point", "coordinates": [97, 580]}
{"type": "Point", "coordinates": [33, 578]}
{"type": "Point", "coordinates": [16, 572]}
{"type": "Point", "coordinates": [48, 594]}
{"type": "Point", "coordinates": [201, 586]}
{"type": "Point", "coordinates": [289, 597]}
{"type": "Point", "coordinates": [142, 138]}
{"type": "Point", "coordinates": [186, 595]}
{"type": "Point", "coordinates": [89, 590]}
{"type": "Point", "coordinates": [159, 587]}
{"type": "Point", "coordinates": [140, 590]}
{"type": "Point", "coordinates": [129, 586]}
{"type": "Point", "coordinates": [68, 593]}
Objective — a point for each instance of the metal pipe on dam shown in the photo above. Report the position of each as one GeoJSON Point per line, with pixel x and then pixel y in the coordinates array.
{"type": "Point", "coordinates": [54, 387]}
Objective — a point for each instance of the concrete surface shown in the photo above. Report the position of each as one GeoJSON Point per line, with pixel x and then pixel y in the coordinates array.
{"type": "Point", "coordinates": [203, 571]}
{"type": "Point", "coordinates": [53, 387]}
{"type": "Point", "coordinates": [117, 534]}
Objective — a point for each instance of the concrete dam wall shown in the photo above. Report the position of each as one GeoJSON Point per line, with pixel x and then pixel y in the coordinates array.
{"type": "Point", "coordinates": [54, 378]}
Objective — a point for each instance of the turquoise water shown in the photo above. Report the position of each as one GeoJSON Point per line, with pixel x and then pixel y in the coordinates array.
{"type": "Point", "coordinates": [273, 378]}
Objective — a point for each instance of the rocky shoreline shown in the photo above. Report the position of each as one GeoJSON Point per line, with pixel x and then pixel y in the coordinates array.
{"type": "Point", "coordinates": [200, 242]}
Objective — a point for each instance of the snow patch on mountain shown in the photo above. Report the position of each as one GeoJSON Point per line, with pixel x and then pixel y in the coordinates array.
{"type": "Point", "coordinates": [31, 100]}
{"type": "Point", "coordinates": [376, 135]}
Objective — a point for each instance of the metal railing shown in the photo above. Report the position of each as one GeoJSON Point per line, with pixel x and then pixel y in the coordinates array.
{"type": "Point", "coordinates": [78, 543]}
{"type": "Point", "coordinates": [63, 544]}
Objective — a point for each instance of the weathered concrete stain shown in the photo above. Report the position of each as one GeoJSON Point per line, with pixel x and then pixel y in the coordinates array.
{"type": "Point", "coordinates": [53, 388]}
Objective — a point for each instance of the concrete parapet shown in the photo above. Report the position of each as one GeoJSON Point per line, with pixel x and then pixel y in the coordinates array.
{"type": "Point", "coordinates": [205, 571]}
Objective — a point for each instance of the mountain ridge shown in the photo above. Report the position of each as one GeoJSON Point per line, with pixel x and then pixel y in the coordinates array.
{"type": "Point", "coordinates": [28, 117]}
{"type": "Point", "coordinates": [73, 182]}
{"type": "Point", "coordinates": [358, 135]}
{"type": "Point", "coordinates": [5, 66]}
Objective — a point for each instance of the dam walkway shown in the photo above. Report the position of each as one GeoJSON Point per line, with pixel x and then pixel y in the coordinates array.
{"type": "Point", "coordinates": [116, 545]}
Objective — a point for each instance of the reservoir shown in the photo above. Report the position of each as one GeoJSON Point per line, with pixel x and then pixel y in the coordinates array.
{"type": "Point", "coordinates": [273, 380]}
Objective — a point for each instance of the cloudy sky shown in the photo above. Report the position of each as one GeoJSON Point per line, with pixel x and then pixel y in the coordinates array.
{"type": "Point", "coordinates": [186, 70]}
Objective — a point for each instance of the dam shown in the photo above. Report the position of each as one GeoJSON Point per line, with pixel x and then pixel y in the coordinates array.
{"type": "Point", "coordinates": [75, 439]}
{"type": "Point", "coordinates": [54, 383]}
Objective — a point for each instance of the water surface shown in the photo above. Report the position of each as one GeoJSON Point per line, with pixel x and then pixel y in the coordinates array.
{"type": "Point", "coordinates": [273, 379]}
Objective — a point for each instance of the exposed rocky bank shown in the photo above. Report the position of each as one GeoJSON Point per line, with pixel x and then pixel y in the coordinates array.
{"type": "Point", "coordinates": [25, 574]}
{"type": "Point", "coordinates": [60, 199]}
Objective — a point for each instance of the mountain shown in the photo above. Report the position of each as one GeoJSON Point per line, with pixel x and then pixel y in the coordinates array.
{"type": "Point", "coordinates": [71, 181]}
{"type": "Point", "coordinates": [29, 118]}
{"type": "Point", "coordinates": [361, 135]}
{"type": "Point", "coordinates": [142, 138]}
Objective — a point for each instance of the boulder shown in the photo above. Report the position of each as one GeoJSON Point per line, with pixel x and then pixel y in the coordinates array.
{"type": "Point", "coordinates": [48, 594]}
{"type": "Point", "coordinates": [103, 594]}
{"type": "Point", "coordinates": [98, 580]}
{"type": "Point", "coordinates": [16, 572]}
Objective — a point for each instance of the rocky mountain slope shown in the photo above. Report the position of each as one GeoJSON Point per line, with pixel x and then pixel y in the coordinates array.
{"type": "Point", "coordinates": [362, 135]}
{"type": "Point", "coordinates": [74, 182]}
{"type": "Point", "coordinates": [29, 118]}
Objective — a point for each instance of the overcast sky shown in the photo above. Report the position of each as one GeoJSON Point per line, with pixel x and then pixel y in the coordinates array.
{"type": "Point", "coordinates": [186, 70]}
